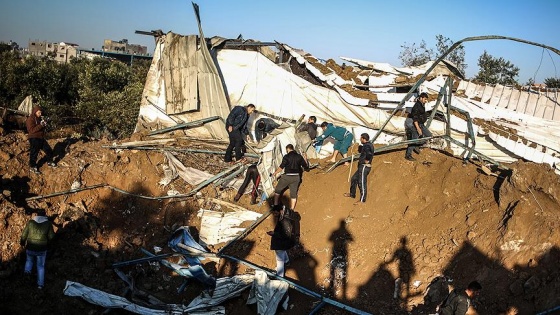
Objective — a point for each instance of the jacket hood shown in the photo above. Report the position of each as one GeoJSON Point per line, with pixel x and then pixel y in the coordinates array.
{"type": "Point", "coordinates": [35, 109]}
{"type": "Point", "coordinates": [40, 219]}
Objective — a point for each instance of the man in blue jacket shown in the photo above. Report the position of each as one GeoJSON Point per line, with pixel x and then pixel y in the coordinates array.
{"type": "Point", "coordinates": [364, 167]}
{"type": "Point", "coordinates": [236, 126]}
{"type": "Point", "coordinates": [342, 136]}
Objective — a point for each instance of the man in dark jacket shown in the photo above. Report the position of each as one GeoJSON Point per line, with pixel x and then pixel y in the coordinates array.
{"type": "Point", "coordinates": [364, 167]}
{"type": "Point", "coordinates": [263, 127]}
{"type": "Point", "coordinates": [36, 125]}
{"type": "Point", "coordinates": [283, 238]}
{"type": "Point", "coordinates": [35, 237]}
{"type": "Point", "coordinates": [417, 130]}
{"type": "Point", "coordinates": [236, 126]}
{"type": "Point", "coordinates": [310, 127]}
{"type": "Point", "coordinates": [293, 165]}
{"type": "Point", "coordinates": [457, 302]}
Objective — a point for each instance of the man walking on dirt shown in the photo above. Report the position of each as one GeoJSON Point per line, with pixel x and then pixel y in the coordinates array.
{"type": "Point", "coordinates": [364, 167]}
{"type": "Point", "coordinates": [457, 302]}
{"type": "Point", "coordinates": [293, 165]}
{"type": "Point", "coordinates": [36, 126]}
{"type": "Point", "coordinates": [417, 130]}
{"type": "Point", "coordinates": [236, 126]}
{"type": "Point", "coordinates": [35, 237]}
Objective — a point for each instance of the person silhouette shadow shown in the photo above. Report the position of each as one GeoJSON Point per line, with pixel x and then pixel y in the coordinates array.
{"type": "Point", "coordinates": [339, 260]}
{"type": "Point", "coordinates": [403, 256]}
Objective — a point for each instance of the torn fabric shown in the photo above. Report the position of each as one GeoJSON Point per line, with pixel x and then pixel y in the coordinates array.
{"type": "Point", "coordinates": [226, 288]}
{"type": "Point", "coordinates": [266, 293]}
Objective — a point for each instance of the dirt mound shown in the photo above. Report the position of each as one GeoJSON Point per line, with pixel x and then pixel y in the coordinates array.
{"type": "Point", "coordinates": [435, 216]}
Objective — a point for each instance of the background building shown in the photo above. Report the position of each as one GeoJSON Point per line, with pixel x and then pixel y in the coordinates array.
{"type": "Point", "coordinates": [61, 52]}
{"type": "Point", "coordinates": [124, 47]}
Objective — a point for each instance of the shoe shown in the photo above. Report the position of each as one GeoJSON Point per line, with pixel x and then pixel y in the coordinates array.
{"type": "Point", "coordinates": [348, 195]}
{"type": "Point", "coordinates": [410, 158]}
{"type": "Point", "coordinates": [237, 197]}
{"type": "Point", "coordinates": [51, 164]}
{"type": "Point", "coordinates": [253, 201]}
{"type": "Point", "coordinates": [417, 150]}
{"type": "Point", "coordinates": [35, 170]}
{"type": "Point", "coordinates": [40, 287]}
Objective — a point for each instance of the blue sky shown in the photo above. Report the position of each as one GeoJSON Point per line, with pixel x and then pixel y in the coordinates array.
{"type": "Point", "coordinates": [369, 29]}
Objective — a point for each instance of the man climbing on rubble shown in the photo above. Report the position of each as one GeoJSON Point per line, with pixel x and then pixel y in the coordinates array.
{"type": "Point", "coordinates": [293, 165]}
{"type": "Point", "coordinates": [342, 136]}
{"type": "Point", "coordinates": [263, 127]}
{"type": "Point", "coordinates": [457, 302]}
{"type": "Point", "coordinates": [236, 126]}
{"type": "Point", "coordinates": [252, 174]}
{"type": "Point", "coordinates": [36, 125]}
{"type": "Point", "coordinates": [310, 127]}
{"type": "Point", "coordinates": [364, 167]}
{"type": "Point", "coordinates": [418, 130]}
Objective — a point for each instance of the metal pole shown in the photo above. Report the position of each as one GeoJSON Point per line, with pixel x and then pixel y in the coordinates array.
{"type": "Point", "coordinates": [196, 123]}
{"type": "Point", "coordinates": [66, 192]}
{"type": "Point", "coordinates": [176, 150]}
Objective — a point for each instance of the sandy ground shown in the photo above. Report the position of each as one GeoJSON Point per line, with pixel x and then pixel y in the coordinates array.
{"type": "Point", "coordinates": [435, 216]}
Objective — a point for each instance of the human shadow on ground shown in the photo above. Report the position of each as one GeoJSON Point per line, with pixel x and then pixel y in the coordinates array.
{"type": "Point", "coordinates": [403, 256]}
{"type": "Point", "coordinates": [338, 265]}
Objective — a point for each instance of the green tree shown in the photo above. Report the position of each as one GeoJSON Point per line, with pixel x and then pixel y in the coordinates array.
{"type": "Point", "coordinates": [457, 56]}
{"type": "Point", "coordinates": [552, 82]}
{"type": "Point", "coordinates": [109, 96]}
{"type": "Point", "coordinates": [496, 70]}
{"type": "Point", "coordinates": [412, 55]}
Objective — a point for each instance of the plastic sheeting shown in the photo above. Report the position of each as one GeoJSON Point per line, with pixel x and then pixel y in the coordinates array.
{"type": "Point", "coordinates": [108, 300]}
{"type": "Point", "coordinates": [267, 293]}
{"type": "Point", "coordinates": [219, 227]}
{"type": "Point", "coordinates": [226, 288]}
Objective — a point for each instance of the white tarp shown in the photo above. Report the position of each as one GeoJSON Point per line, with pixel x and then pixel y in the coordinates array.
{"type": "Point", "coordinates": [226, 288]}
{"type": "Point", "coordinates": [26, 105]}
{"type": "Point", "coordinates": [219, 227]}
{"type": "Point", "coordinates": [108, 300]}
{"type": "Point", "coordinates": [267, 293]}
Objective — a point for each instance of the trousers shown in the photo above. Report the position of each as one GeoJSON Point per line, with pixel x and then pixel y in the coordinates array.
{"type": "Point", "coordinates": [359, 179]}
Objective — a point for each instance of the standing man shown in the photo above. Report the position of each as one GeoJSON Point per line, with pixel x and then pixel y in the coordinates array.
{"type": "Point", "coordinates": [310, 127]}
{"type": "Point", "coordinates": [293, 165]}
{"type": "Point", "coordinates": [418, 130]}
{"type": "Point", "coordinates": [36, 127]}
{"type": "Point", "coordinates": [364, 167]}
{"type": "Point", "coordinates": [342, 136]}
{"type": "Point", "coordinates": [35, 237]}
{"type": "Point", "coordinates": [263, 127]}
{"type": "Point", "coordinates": [458, 303]}
{"type": "Point", "coordinates": [236, 126]}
